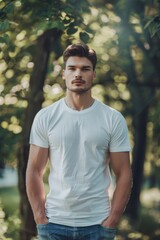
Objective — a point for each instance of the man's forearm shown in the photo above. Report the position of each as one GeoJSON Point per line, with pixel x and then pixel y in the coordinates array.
{"type": "Point", "coordinates": [36, 195]}
{"type": "Point", "coordinates": [120, 199]}
{"type": "Point", "coordinates": [121, 196]}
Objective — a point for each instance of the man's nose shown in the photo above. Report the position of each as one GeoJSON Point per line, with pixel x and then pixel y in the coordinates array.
{"type": "Point", "coordinates": [78, 74]}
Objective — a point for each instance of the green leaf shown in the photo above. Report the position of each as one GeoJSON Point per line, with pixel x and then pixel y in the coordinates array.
{"type": "Point", "coordinates": [4, 26]}
{"type": "Point", "coordinates": [148, 23]}
{"type": "Point", "coordinates": [9, 8]}
{"type": "Point", "coordinates": [89, 30]}
{"type": "Point", "coordinates": [72, 28]}
{"type": "Point", "coordinates": [66, 21]}
{"type": "Point", "coordinates": [69, 9]}
{"type": "Point", "coordinates": [158, 33]}
{"type": "Point", "coordinates": [50, 24]}
{"type": "Point", "coordinates": [153, 29]}
{"type": "Point", "coordinates": [157, 30]}
{"type": "Point", "coordinates": [2, 15]}
{"type": "Point", "coordinates": [2, 40]}
{"type": "Point", "coordinates": [71, 31]}
{"type": "Point", "coordinates": [84, 37]}
{"type": "Point", "coordinates": [56, 24]}
{"type": "Point", "coordinates": [5, 39]}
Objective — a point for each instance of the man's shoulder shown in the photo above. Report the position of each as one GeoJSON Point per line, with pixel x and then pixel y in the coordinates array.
{"type": "Point", "coordinates": [49, 110]}
{"type": "Point", "coordinates": [108, 109]}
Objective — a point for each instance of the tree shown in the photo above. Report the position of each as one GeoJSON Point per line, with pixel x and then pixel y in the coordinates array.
{"type": "Point", "coordinates": [35, 100]}
{"type": "Point", "coordinates": [139, 84]}
{"type": "Point", "coordinates": [49, 20]}
{"type": "Point", "coordinates": [131, 73]}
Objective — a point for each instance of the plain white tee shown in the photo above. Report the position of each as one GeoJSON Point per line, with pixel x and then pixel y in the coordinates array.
{"type": "Point", "coordinates": [78, 143]}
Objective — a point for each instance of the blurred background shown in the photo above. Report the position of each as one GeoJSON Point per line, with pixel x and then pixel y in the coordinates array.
{"type": "Point", "coordinates": [125, 34]}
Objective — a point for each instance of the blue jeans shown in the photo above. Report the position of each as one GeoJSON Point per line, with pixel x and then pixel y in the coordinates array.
{"type": "Point", "coordinates": [52, 231]}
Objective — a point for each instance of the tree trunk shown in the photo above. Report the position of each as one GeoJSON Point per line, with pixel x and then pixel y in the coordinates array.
{"type": "Point", "coordinates": [140, 125]}
{"type": "Point", "coordinates": [140, 107]}
{"type": "Point", "coordinates": [35, 99]}
{"type": "Point", "coordinates": [141, 98]}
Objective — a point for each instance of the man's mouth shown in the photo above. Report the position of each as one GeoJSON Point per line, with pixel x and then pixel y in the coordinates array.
{"type": "Point", "coordinates": [78, 81]}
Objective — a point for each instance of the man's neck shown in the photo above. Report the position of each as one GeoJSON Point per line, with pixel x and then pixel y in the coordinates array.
{"type": "Point", "coordinates": [79, 102]}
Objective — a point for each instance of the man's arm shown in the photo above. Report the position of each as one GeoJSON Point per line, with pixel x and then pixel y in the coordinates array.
{"type": "Point", "coordinates": [34, 182]}
{"type": "Point", "coordinates": [120, 164]}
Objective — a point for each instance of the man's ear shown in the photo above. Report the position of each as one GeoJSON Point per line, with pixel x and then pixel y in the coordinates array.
{"type": "Point", "coordinates": [63, 71]}
{"type": "Point", "coordinates": [94, 75]}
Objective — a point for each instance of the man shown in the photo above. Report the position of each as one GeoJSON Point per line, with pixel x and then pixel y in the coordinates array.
{"type": "Point", "coordinates": [79, 135]}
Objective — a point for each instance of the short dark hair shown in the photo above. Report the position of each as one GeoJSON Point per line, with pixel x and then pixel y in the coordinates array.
{"type": "Point", "coordinates": [80, 50]}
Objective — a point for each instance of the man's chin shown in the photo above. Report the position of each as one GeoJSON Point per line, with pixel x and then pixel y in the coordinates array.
{"type": "Point", "coordinates": [79, 90]}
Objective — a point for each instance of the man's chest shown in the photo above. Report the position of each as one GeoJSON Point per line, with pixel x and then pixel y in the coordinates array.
{"type": "Point", "coordinates": [79, 131]}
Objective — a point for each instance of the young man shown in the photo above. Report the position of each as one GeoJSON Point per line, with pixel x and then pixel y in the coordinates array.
{"type": "Point", "coordinates": [79, 135]}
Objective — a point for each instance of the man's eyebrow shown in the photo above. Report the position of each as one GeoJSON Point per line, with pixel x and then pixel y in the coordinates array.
{"type": "Point", "coordinates": [85, 66]}
{"type": "Point", "coordinates": [71, 66]}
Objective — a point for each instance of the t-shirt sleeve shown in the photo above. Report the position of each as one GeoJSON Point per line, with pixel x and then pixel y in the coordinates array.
{"type": "Point", "coordinates": [119, 136]}
{"type": "Point", "coordinates": [38, 135]}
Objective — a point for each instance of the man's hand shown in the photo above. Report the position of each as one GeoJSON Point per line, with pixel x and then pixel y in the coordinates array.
{"type": "Point", "coordinates": [110, 222]}
{"type": "Point", "coordinates": [41, 219]}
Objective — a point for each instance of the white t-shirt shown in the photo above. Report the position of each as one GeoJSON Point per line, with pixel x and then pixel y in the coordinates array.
{"type": "Point", "coordinates": [78, 143]}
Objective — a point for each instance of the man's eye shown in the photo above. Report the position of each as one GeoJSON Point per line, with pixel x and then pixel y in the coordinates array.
{"type": "Point", "coordinates": [72, 69]}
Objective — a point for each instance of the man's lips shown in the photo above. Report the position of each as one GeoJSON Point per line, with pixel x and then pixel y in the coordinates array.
{"type": "Point", "coordinates": [78, 81]}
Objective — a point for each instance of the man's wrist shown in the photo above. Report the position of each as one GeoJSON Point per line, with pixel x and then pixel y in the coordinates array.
{"type": "Point", "coordinates": [40, 218]}
{"type": "Point", "coordinates": [111, 221]}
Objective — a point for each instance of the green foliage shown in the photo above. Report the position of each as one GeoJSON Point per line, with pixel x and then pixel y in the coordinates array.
{"type": "Point", "coordinates": [10, 222]}
{"type": "Point", "coordinates": [21, 24]}
{"type": "Point", "coordinates": [63, 15]}
{"type": "Point", "coordinates": [6, 195]}
{"type": "Point", "coordinates": [146, 227]}
{"type": "Point", "coordinates": [4, 26]}
{"type": "Point", "coordinates": [154, 26]}
{"type": "Point", "coordinates": [84, 37]}
{"type": "Point", "coordinates": [3, 224]}
{"type": "Point", "coordinates": [5, 39]}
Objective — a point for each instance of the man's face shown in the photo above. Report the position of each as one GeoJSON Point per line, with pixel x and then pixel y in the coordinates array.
{"type": "Point", "coordinates": [78, 74]}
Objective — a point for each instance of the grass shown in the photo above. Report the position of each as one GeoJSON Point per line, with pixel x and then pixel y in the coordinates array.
{"type": "Point", "coordinates": [10, 200]}
{"type": "Point", "coordinates": [9, 207]}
